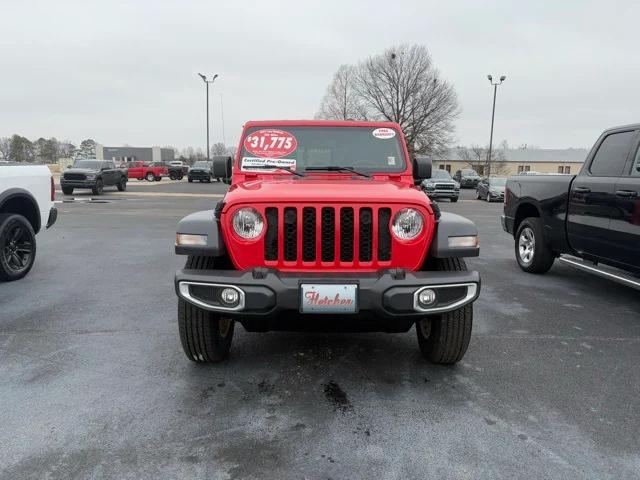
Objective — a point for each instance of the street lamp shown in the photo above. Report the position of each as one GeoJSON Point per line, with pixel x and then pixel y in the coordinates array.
{"type": "Point", "coordinates": [493, 114]}
{"type": "Point", "coordinates": [207, 82]}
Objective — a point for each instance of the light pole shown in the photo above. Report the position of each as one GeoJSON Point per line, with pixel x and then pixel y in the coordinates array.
{"type": "Point", "coordinates": [207, 82]}
{"type": "Point", "coordinates": [493, 114]}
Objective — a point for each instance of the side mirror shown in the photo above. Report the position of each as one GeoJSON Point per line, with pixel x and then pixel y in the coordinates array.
{"type": "Point", "coordinates": [421, 168]}
{"type": "Point", "coordinates": [222, 167]}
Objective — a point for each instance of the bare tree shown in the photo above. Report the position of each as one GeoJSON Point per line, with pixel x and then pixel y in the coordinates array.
{"type": "Point", "coordinates": [219, 148]}
{"type": "Point", "coordinates": [478, 159]}
{"type": "Point", "coordinates": [401, 85]}
{"type": "Point", "coordinates": [5, 148]}
{"type": "Point", "coordinates": [342, 102]}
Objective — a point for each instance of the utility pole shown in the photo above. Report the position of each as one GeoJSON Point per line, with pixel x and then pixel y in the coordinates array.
{"type": "Point", "coordinates": [222, 117]}
{"type": "Point", "coordinates": [207, 82]}
{"type": "Point", "coordinates": [493, 114]}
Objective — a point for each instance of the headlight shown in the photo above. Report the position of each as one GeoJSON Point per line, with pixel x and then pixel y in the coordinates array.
{"type": "Point", "coordinates": [457, 186]}
{"type": "Point", "coordinates": [407, 224]}
{"type": "Point", "coordinates": [91, 177]}
{"type": "Point", "coordinates": [248, 223]}
{"type": "Point", "coordinates": [429, 185]}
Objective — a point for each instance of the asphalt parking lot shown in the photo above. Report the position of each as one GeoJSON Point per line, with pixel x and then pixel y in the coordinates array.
{"type": "Point", "coordinates": [94, 383]}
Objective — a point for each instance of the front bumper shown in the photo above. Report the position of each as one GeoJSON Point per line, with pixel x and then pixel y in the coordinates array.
{"type": "Point", "coordinates": [199, 175]}
{"type": "Point", "coordinates": [443, 193]}
{"type": "Point", "coordinates": [53, 216]}
{"type": "Point", "coordinates": [386, 295]}
{"type": "Point", "coordinates": [77, 183]}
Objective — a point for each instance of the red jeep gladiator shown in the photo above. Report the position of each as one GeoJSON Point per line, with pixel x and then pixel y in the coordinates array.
{"type": "Point", "coordinates": [324, 229]}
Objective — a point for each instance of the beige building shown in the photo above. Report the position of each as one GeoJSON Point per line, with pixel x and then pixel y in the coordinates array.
{"type": "Point", "coordinates": [516, 160]}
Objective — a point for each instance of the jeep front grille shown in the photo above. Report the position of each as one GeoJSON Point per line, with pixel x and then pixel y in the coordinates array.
{"type": "Point", "coordinates": [328, 234]}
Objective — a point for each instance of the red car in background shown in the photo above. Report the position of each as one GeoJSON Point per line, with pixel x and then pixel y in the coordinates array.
{"type": "Point", "coordinates": [145, 171]}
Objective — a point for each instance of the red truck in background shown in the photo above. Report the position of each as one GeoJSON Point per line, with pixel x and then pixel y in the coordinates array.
{"type": "Point", "coordinates": [144, 171]}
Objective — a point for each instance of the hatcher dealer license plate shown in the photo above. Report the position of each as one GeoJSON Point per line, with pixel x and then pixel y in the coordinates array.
{"type": "Point", "coordinates": [328, 298]}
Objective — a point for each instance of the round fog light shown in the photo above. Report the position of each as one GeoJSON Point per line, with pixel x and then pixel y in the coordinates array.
{"type": "Point", "coordinates": [229, 297]}
{"type": "Point", "coordinates": [427, 297]}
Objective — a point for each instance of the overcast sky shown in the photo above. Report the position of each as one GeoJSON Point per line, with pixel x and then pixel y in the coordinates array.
{"type": "Point", "coordinates": [125, 72]}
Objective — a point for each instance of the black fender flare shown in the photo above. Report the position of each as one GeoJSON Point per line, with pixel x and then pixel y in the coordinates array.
{"type": "Point", "coordinates": [452, 225]}
{"type": "Point", "coordinates": [206, 223]}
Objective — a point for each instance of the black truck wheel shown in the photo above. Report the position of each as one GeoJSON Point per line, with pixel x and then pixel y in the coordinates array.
{"type": "Point", "coordinates": [205, 336]}
{"type": "Point", "coordinates": [17, 246]}
{"type": "Point", "coordinates": [444, 338]}
{"type": "Point", "coordinates": [98, 187]}
{"type": "Point", "coordinates": [454, 199]}
{"type": "Point", "coordinates": [532, 252]}
{"type": "Point", "coordinates": [122, 184]}
{"type": "Point", "coordinates": [190, 179]}
{"type": "Point", "coordinates": [172, 176]}
{"type": "Point", "coordinates": [67, 190]}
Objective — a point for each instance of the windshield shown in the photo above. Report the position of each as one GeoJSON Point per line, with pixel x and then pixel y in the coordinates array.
{"type": "Point", "coordinates": [365, 149]}
{"type": "Point", "coordinates": [469, 173]}
{"type": "Point", "coordinates": [201, 164]}
{"type": "Point", "coordinates": [497, 182]}
{"type": "Point", "coordinates": [92, 164]}
{"type": "Point", "coordinates": [441, 175]}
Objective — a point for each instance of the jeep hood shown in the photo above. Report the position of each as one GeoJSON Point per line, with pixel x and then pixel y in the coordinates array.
{"type": "Point", "coordinates": [310, 190]}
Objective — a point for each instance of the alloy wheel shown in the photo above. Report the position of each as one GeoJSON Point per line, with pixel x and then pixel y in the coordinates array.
{"type": "Point", "coordinates": [526, 245]}
{"type": "Point", "coordinates": [18, 248]}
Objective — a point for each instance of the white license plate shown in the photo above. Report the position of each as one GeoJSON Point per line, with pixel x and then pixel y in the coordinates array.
{"type": "Point", "coordinates": [326, 298]}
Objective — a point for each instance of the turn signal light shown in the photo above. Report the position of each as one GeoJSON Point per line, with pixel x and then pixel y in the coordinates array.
{"type": "Point", "coordinates": [469, 241]}
{"type": "Point", "coordinates": [190, 239]}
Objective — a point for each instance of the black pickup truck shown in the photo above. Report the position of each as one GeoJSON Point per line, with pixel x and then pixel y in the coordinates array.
{"type": "Point", "coordinates": [590, 220]}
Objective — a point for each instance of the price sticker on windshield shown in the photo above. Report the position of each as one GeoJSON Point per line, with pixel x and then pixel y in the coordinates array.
{"type": "Point", "coordinates": [270, 143]}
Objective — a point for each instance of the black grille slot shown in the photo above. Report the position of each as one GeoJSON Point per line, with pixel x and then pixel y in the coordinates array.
{"type": "Point", "coordinates": [346, 234]}
{"type": "Point", "coordinates": [366, 233]}
{"type": "Point", "coordinates": [328, 234]}
{"type": "Point", "coordinates": [308, 234]}
{"type": "Point", "coordinates": [271, 235]}
{"type": "Point", "coordinates": [384, 235]}
{"type": "Point", "coordinates": [290, 234]}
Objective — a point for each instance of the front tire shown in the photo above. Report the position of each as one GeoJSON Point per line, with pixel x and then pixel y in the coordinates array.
{"type": "Point", "coordinates": [444, 338]}
{"type": "Point", "coordinates": [17, 247]}
{"type": "Point", "coordinates": [150, 177]}
{"type": "Point", "coordinates": [454, 199]}
{"type": "Point", "coordinates": [172, 176]}
{"type": "Point", "coordinates": [122, 184]}
{"type": "Point", "coordinates": [532, 253]}
{"type": "Point", "coordinates": [205, 336]}
{"type": "Point", "coordinates": [98, 187]}
{"type": "Point", "coordinates": [190, 180]}
{"type": "Point", "coordinates": [67, 190]}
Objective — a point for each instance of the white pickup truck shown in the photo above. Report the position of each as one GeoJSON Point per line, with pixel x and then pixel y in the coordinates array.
{"type": "Point", "coordinates": [26, 207]}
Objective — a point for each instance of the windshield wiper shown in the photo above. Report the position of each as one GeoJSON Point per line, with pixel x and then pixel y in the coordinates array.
{"type": "Point", "coordinates": [336, 168]}
{"type": "Point", "coordinates": [272, 167]}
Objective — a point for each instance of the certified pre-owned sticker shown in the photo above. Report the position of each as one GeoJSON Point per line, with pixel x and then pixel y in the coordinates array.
{"type": "Point", "coordinates": [270, 143]}
{"type": "Point", "coordinates": [262, 163]}
{"type": "Point", "coordinates": [384, 133]}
